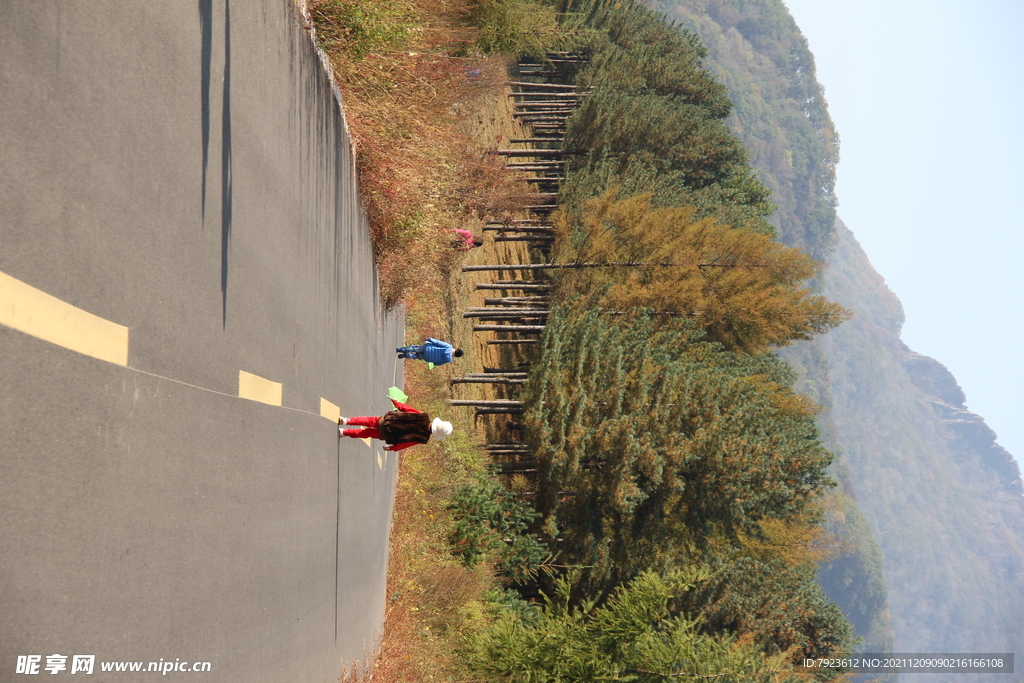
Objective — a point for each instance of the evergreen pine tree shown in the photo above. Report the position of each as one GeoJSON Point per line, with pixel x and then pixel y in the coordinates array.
{"type": "Point", "coordinates": [651, 441]}
{"type": "Point", "coordinates": [637, 636]}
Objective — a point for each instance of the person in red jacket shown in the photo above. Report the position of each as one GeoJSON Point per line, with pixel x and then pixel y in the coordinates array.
{"type": "Point", "coordinates": [400, 428]}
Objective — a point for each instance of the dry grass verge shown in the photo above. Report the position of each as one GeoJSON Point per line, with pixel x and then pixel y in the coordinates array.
{"type": "Point", "coordinates": [433, 601]}
{"type": "Point", "coordinates": [408, 77]}
{"type": "Point", "coordinates": [423, 109]}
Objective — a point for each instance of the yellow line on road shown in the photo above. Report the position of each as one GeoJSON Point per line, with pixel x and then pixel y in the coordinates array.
{"type": "Point", "coordinates": [255, 388]}
{"type": "Point", "coordinates": [329, 410]}
{"type": "Point", "coordinates": [41, 315]}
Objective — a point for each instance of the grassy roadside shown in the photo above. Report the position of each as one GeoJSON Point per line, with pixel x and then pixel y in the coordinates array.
{"type": "Point", "coordinates": [423, 106]}
{"type": "Point", "coordinates": [410, 77]}
{"type": "Point", "coordinates": [435, 603]}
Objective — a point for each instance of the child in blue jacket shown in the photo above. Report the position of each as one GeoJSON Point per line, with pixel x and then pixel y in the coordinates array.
{"type": "Point", "coordinates": [433, 351]}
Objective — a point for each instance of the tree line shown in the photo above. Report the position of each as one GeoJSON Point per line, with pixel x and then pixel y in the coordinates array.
{"type": "Point", "coordinates": [677, 482]}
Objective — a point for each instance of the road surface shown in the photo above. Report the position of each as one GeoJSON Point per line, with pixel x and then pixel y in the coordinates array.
{"type": "Point", "coordinates": [187, 298]}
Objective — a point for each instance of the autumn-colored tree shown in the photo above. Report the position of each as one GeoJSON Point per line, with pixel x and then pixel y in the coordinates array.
{"type": "Point", "coordinates": [651, 442]}
{"type": "Point", "coordinates": [797, 540]}
{"type": "Point", "coordinates": [745, 289]}
{"type": "Point", "coordinates": [521, 26]}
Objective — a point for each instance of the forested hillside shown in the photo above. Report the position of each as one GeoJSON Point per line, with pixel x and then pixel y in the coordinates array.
{"type": "Point", "coordinates": [941, 498]}
{"type": "Point", "coordinates": [664, 432]}
{"type": "Point", "coordinates": [944, 499]}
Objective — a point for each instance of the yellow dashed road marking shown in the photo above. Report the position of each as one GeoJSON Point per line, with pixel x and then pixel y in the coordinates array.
{"type": "Point", "coordinates": [36, 313]}
{"type": "Point", "coordinates": [329, 410]}
{"type": "Point", "coordinates": [255, 388]}
{"type": "Point", "coordinates": [41, 315]}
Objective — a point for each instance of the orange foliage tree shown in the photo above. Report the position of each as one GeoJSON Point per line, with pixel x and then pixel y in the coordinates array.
{"type": "Point", "coordinates": [744, 288]}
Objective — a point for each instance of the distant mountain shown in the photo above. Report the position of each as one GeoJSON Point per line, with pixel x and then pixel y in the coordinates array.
{"type": "Point", "coordinates": [934, 505]}
{"type": "Point", "coordinates": [944, 500]}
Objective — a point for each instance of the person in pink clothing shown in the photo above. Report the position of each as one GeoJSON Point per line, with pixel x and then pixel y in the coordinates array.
{"type": "Point", "coordinates": [466, 240]}
{"type": "Point", "coordinates": [400, 428]}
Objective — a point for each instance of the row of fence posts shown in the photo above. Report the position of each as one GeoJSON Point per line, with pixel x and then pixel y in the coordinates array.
{"type": "Point", "coordinates": [521, 307]}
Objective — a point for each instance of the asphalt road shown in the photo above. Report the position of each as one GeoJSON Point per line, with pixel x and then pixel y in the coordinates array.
{"type": "Point", "coordinates": [182, 170]}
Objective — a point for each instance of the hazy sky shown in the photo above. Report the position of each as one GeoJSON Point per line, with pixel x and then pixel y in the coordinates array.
{"type": "Point", "coordinates": [928, 99]}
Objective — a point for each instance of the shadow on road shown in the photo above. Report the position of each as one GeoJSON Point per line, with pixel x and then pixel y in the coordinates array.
{"type": "Point", "coordinates": [206, 59]}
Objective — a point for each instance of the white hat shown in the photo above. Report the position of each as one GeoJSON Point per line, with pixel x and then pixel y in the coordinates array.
{"type": "Point", "coordinates": [440, 429]}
